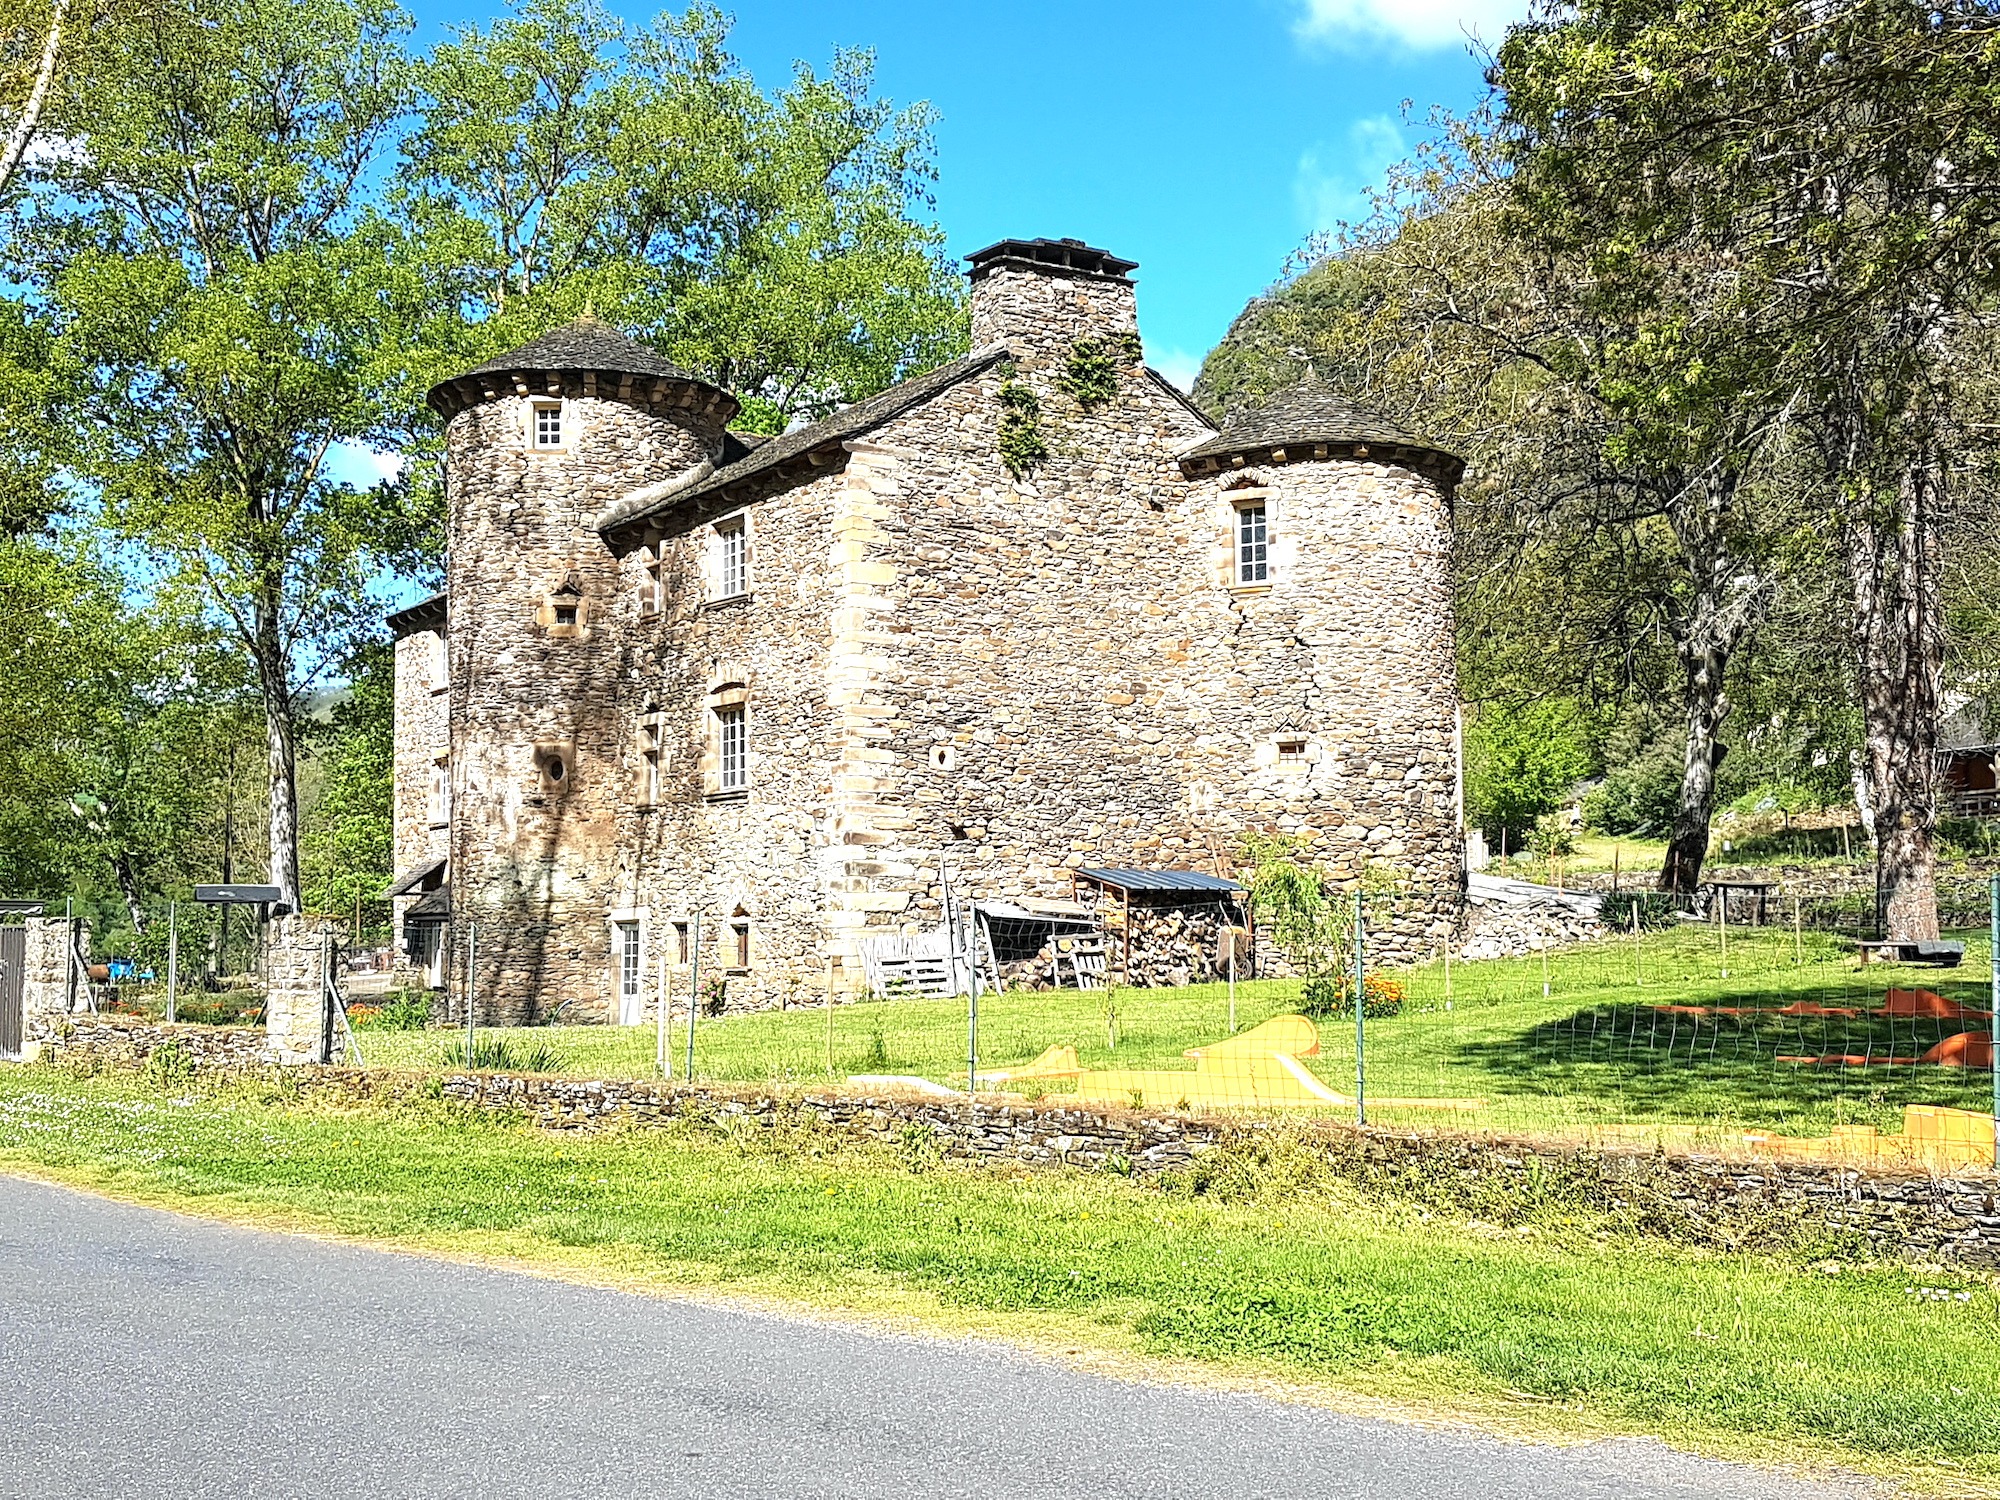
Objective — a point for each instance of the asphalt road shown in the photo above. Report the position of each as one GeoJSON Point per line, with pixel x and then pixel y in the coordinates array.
{"type": "Point", "coordinates": [146, 1355]}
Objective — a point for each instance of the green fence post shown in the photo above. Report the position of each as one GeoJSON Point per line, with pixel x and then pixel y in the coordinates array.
{"type": "Point", "coordinates": [1360, 1011]}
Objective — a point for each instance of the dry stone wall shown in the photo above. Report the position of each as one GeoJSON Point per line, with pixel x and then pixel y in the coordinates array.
{"type": "Point", "coordinates": [52, 982]}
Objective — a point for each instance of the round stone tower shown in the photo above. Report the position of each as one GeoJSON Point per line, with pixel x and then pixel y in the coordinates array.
{"type": "Point", "coordinates": [1339, 569]}
{"type": "Point", "coordinates": [539, 443]}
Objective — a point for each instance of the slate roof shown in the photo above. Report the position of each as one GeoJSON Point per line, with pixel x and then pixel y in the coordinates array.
{"type": "Point", "coordinates": [425, 614]}
{"type": "Point", "coordinates": [588, 343]}
{"type": "Point", "coordinates": [1070, 255]}
{"type": "Point", "coordinates": [848, 422]}
{"type": "Point", "coordinates": [1312, 412]}
{"type": "Point", "coordinates": [1178, 881]}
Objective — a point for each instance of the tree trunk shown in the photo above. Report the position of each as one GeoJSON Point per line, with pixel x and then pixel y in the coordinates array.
{"type": "Point", "coordinates": [281, 756]}
{"type": "Point", "coordinates": [15, 151]}
{"type": "Point", "coordinates": [1892, 562]}
{"type": "Point", "coordinates": [1729, 595]}
{"type": "Point", "coordinates": [1707, 706]}
{"type": "Point", "coordinates": [128, 887]}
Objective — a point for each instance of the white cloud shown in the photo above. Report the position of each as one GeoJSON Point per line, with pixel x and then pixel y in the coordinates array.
{"type": "Point", "coordinates": [1421, 24]}
{"type": "Point", "coordinates": [1332, 182]}
{"type": "Point", "coordinates": [1177, 365]}
{"type": "Point", "coordinates": [351, 463]}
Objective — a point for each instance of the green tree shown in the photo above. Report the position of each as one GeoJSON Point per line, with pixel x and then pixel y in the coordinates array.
{"type": "Point", "coordinates": [769, 242]}
{"type": "Point", "coordinates": [348, 845]}
{"type": "Point", "coordinates": [1842, 164]}
{"type": "Point", "coordinates": [234, 312]}
{"type": "Point", "coordinates": [1521, 763]}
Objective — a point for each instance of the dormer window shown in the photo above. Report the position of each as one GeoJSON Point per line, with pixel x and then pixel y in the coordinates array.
{"type": "Point", "coordinates": [546, 430]}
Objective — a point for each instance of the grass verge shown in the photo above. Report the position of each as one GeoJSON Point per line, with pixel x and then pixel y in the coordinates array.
{"type": "Point", "coordinates": [1273, 1272]}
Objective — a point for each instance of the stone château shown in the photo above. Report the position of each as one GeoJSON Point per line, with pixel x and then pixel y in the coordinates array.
{"type": "Point", "coordinates": [1025, 612]}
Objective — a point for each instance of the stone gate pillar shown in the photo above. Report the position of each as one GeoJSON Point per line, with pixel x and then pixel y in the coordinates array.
{"type": "Point", "coordinates": [53, 981]}
{"type": "Point", "coordinates": [297, 1018]}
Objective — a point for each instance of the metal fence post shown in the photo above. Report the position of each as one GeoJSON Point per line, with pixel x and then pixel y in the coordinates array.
{"type": "Point", "coordinates": [694, 992]}
{"type": "Point", "coordinates": [471, 981]}
{"type": "Point", "coordinates": [1360, 1010]}
{"type": "Point", "coordinates": [972, 1008]}
{"type": "Point", "coordinates": [1993, 1019]}
{"type": "Point", "coordinates": [173, 960]}
{"type": "Point", "coordinates": [662, 1053]}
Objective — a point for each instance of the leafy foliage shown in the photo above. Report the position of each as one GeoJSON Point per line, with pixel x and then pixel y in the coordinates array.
{"type": "Point", "coordinates": [1022, 446]}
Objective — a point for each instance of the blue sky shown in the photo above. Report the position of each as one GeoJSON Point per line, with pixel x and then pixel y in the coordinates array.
{"type": "Point", "coordinates": [1204, 141]}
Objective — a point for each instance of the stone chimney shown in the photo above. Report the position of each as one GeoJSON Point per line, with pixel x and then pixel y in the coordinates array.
{"type": "Point", "coordinates": [1041, 296]}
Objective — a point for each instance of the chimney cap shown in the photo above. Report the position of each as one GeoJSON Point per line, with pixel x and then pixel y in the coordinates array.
{"type": "Point", "coordinates": [1072, 257]}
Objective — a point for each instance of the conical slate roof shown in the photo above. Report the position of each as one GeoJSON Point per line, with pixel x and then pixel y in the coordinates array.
{"type": "Point", "coordinates": [585, 345]}
{"type": "Point", "coordinates": [1308, 415]}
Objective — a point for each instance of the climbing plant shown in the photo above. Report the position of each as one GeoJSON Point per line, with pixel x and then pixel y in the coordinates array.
{"type": "Point", "coordinates": [1021, 443]}
{"type": "Point", "coordinates": [1091, 373]}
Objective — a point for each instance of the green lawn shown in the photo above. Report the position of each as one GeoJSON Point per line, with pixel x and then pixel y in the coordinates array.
{"type": "Point", "coordinates": [1540, 1327]}
{"type": "Point", "coordinates": [1596, 1050]}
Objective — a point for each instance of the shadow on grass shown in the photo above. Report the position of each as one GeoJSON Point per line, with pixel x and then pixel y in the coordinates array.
{"type": "Point", "coordinates": [1740, 1060]}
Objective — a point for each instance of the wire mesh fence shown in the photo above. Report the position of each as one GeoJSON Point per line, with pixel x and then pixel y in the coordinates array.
{"type": "Point", "coordinates": [1762, 1032]}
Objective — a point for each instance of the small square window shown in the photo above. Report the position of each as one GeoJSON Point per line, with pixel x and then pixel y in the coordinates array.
{"type": "Point", "coordinates": [548, 424]}
{"type": "Point", "coordinates": [1293, 751]}
{"type": "Point", "coordinates": [565, 614]}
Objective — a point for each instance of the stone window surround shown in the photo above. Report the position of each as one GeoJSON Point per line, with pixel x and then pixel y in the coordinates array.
{"type": "Point", "coordinates": [437, 812]}
{"type": "Point", "coordinates": [437, 664]}
{"type": "Point", "coordinates": [652, 582]}
{"type": "Point", "coordinates": [617, 917]}
{"type": "Point", "coordinates": [1237, 499]}
{"type": "Point", "coordinates": [531, 431]}
{"type": "Point", "coordinates": [738, 522]}
{"type": "Point", "coordinates": [729, 688]}
{"type": "Point", "coordinates": [554, 763]}
{"type": "Point", "coordinates": [653, 758]}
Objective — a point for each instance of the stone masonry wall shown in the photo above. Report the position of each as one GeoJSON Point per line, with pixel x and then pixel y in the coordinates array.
{"type": "Point", "coordinates": [540, 759]}
{"type": "Point", "coordinates": [1705, 1199]}
{"type": "Point", "coordinates": [51, 984]}
{"type": "Point", "coordinates": [423, 738]}
{"type": "Point", "coordinates": [296, 953]}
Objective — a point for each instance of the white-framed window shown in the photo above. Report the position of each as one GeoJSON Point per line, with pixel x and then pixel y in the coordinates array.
{"type": "Point", "coordinates": [653, 587]}
{"type": "Point", "coordinates": [732, 558]}
{"type": "Point", "coordinates": [732, 748]}
{"type": "Point", "coordinates": [1253, 542]}
{"type": "Point", "coordinates": [440, 661]}
{"type": "Point", "coordinates": [1292, 752]}
{"type": "Point", "coordinates": [630, 971]}
{"type": "Point", "coordinates": [545, 429]}
{"type": "Point", "coordinates": [440, 792]}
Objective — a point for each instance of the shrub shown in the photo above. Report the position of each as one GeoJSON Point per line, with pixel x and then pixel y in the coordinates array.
{"type": "Point", "coordinates": [1656, 910]}
{"type": "Point", "coordinates": [403, 1010]}
{"type": "Point", "coordinates": [499, 1054]}
{"type": "Point", "coordinates": [1333, 995]}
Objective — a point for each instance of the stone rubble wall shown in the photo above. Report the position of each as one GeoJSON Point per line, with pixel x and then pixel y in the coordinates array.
{"type": "Point", "coordinates": [533, 854]}
{"type": "Point", "coordinates": [422, 738]}
{"type": "Point", "coordinates": [1704, 1199]}
{"type": "Point", "coordinates": [1496, 928]}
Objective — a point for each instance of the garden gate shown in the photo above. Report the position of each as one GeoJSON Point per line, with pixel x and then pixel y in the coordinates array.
{"type": "Point", "coordinates": [13, 988]}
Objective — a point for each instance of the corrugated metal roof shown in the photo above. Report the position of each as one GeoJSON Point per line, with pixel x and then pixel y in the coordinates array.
{"type": "Point", "coordinates": [1158, 880]}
